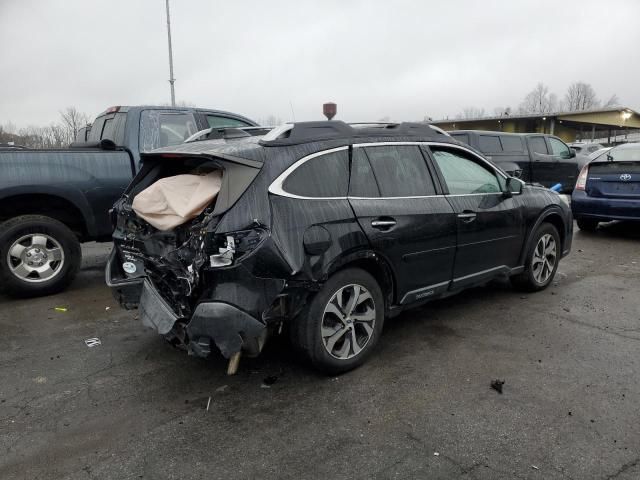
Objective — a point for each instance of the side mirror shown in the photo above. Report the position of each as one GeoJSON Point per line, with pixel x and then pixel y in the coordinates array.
{"type": "Point", "coordinates": [513, 186]}
{"type": "Point", "coordinates": [572, 153]}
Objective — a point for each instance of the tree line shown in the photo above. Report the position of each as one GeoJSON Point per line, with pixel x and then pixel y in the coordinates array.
{"type": "Point", "coordinates": [55, 135]}
{"type": "Point", "coordinates": [578, 97]}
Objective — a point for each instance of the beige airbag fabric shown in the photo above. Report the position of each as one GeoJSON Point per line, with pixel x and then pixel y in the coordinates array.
{"type": "Point", "coordinates": [172, 201]}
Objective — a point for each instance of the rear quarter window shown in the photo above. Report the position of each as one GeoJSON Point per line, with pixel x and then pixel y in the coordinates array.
{"type": "Point", "coordinates": [461, 137]}
{"type": "Point", "coordinates": [324, 176]}
{"type": "Point", "coordinates": [512, 144]}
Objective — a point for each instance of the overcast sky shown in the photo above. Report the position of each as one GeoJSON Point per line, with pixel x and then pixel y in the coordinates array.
{"type": "Point", "coordinates": [401, 59]}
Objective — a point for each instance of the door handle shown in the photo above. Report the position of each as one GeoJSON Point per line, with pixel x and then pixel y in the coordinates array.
{"type": "Point", "coordinates": [467, 217]}
{"type": "Point", "coordinates": [383, 224]}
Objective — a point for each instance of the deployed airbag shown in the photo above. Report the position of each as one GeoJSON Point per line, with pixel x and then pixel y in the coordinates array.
{"type": "Point", "coordinates": [172, 201]}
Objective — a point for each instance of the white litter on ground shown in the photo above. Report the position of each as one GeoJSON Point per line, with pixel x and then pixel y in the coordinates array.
{"type": "Point", "coordinates": [92, 342]}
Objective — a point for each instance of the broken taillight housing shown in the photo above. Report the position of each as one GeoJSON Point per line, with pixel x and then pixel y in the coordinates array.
{"type": "Point", "coordinates": [228, 248]}
{"type": "Point", "coordinates": [581, 183]}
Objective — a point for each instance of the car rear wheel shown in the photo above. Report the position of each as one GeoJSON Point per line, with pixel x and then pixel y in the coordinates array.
{"type": "Point", "coordinates": [38, 256]}
{"type": "Point", "coordinates": [587, 225]}
{"type": "Point", "coordinates": [542, 260]}
{"type": "Point", "coordinates": [341, 325]}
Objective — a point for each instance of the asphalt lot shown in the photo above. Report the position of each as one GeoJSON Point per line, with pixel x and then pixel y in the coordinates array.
{"type": "Point", "coordinates": [133, 407]}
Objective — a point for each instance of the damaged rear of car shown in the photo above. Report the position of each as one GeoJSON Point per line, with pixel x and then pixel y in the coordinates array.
{"type": "Point", "coordinates": [324, 229]}
{"type": "Point", "coordinates": [184, 258]}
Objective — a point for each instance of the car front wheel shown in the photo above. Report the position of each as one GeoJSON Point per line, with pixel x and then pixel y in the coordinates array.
{"type": "Point", "coordinates": [38, 255]}
{"type": "Point", "coordinates": [341, 325]}
{"type": "Point", "coordinates": [542, 260]}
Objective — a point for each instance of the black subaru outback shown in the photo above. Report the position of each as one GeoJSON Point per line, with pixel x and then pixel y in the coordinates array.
{"type": "Point", "coordinates": [326, 229]}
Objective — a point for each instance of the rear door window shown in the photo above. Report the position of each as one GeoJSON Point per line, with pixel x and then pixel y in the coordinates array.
{"type": "Point", "coordinates": [538, 145]}
{"type": "Point", "coordinates": [324, 176]}
{"type": "Point", "coordinates": [363, 181]}
{"type": "Point", "coordinates": [489, 143]}
{"type": "Point", "coordinates": [161, 129]}
{"type": "Point", "coordinates": [463, 174]}
{"type": "Point", "coordinates": [400, 171]}
{"type": "Point", "coordinates": [511, 144]}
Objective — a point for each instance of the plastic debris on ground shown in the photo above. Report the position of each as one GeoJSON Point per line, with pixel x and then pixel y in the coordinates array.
{"type": "Point", "coordinates": [60, 309]}
{"type": "Point", "coordinates": [497, 385]}
{"type": "Point", "coordinates": [92, 342]}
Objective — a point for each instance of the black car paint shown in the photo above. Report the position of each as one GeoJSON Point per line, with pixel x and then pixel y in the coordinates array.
{"type": "Point", "coordinates": [546, 169]}
{"type": "Point", "coordinates": [426, 255]}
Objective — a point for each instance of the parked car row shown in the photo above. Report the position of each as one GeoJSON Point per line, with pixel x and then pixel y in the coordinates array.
{"type": "Point", "coordinates": [230, 232]}
{"type": "Point", "coordinates": [532, 157]}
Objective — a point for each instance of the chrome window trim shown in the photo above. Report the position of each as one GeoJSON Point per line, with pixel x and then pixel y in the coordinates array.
{"type": "Point", "coordinates": [472, 194]}
{"type": "Point", "coordinates": [276, 186]}
{"type": "Point", "coordinates": [353, 197]}
{"type": "Point", "coordinates": [277, 189]}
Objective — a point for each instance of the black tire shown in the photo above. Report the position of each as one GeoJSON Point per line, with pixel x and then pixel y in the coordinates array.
{"type": "Point", "coordinates": [528, 280]}
{"type": "Point", "coordinates": [587, 225]}
{"type": "Point", "coordinates": [306, 328]}
{"type": "Point", "coordinates": [64, 270]}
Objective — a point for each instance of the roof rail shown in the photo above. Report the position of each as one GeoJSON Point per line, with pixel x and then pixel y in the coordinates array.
{"type": "Point", "coordinates": [303, 132]}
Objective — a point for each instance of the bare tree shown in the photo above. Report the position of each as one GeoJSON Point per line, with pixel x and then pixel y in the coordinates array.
{"type": "Point", "coordinates": [270, 121]}
{"type": "Point", "coordinates": [539, 100]}
{"type": "Point", "coordinates": [470, 113]}
{"type": "Point", "coordinates": [72, 121]}
{"type": "Point", "coordinates": [580, 96]}
{"type": "Point", "coordinates": [613, 101]}
{"type": "Point", "coordinates": [501, 111]}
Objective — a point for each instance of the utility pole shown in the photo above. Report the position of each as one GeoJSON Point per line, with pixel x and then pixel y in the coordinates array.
{"type": "Point", "coordinates": [171, 79]}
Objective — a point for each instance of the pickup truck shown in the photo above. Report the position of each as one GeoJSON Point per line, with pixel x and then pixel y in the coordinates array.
{"type": "Point", "coordinates": [52, 200]}
{"type": "Point", "coordinates": [532, 157]}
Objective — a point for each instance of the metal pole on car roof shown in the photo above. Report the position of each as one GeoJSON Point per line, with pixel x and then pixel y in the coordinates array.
{"type": "Point", "coordinates": [171, 79]}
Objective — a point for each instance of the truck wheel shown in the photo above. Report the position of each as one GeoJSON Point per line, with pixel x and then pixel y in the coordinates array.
{"type": "Point", "coordinates": [542, 260]}
{"type": "Point", "coordinates": [341, 325]}
{"type": "Point", "coordinates": [38, 256]}
{"type": "Point", "coordinates": [587, 225]}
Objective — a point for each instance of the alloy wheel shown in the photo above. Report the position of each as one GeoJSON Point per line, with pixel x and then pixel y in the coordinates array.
{"type": "Point", "coordinates": [35, 258]}
{"type": "Point", "coordinates": [348, 321]}
{"type": "Point", "coordinates": [544, 258]}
